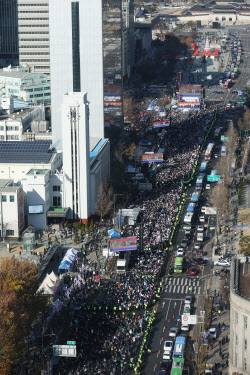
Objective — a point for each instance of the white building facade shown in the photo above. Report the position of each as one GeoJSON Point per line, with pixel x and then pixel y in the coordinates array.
{"type": "Point", "coordinates": [77, 56]}
{"type": "Point", "coordinates": [76, 159]}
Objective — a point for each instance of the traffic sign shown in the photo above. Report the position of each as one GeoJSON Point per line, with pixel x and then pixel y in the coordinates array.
{"type": "Point", "coordinates": [240, 100]}
{"type": "Point", "coordinates": [71, 343]}
{"type": "Point", "coordinates": [223, 138]}
{"type": "Point", "coordinates": [64, 350]}
{"type": "Point", "coordinates": [189, 319]}
{"type": "Point", "coordinates": [213, 178]}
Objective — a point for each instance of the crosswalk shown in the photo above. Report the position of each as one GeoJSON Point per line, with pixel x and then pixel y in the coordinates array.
{"type": "Point", "coordinates": [182, 285]}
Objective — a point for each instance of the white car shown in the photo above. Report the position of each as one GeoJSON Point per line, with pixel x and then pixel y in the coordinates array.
{"type": "Point", "coordinates": [185, 327]}
{"type": "Point", "coordinates": [203, 209]}
{"type": "Point", "coordinates": [188, 300]}
{"type": "Point", "coordinates": [167, 355]}
{"type": "Point", "coordinates": [179, 253]}
{"type": "Point", "coordinates": [202, 219]}
{"type": "Point", "coordinates": [168, 346]}
{"type": "Point", "coordinates": [213, 333]}
{"type": "Point", "coordinates": [208, 187]}
{"type": "Point", "coordinates": [200, 228]}
{"type": "Point", "coordinates": [216, 155]}
{"type": "Point", "coordinates": [222, 263]}
{"type": "Point", "coordinates": [173, 331]}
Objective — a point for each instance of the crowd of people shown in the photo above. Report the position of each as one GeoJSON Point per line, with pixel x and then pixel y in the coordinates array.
{"type": "Point", "coordinates": [106, 313]}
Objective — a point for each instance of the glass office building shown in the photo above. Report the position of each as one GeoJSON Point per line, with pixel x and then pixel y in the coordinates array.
{"type": "Point", "coordinates": [112, 63]}
{"type": "Point", "coordinates": [8, 33]}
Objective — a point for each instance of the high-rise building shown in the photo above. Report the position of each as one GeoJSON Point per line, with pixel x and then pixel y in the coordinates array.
{"type": "Point", "coordinates": [33, 34]}
{"type": "Point", "coordinates": [8, 32]}
{"type": "Point", "coordinates": [128, 38]}
{"type": "Point", "coordinates": [76, 159]}
{"type": "Point", "coordinates": [76, 59]}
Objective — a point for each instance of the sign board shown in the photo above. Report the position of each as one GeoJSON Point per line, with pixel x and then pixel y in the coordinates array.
{"type": "Point", "coordinates": [123, 244]}
{"type": "Point", "coordinates": [152, 158]}
{"type": "Point", "coordinates": [213, 178]}
{"type": "Point", "coordinates": [240, 100]}
{"type": "Point", "coordinates": [189, 319]}
{"type": "Point", "coordinates": [71, 343]}
{"type": "Point", "coordinates": [161, 123]}
{"type": "Point", "coordinates": [64, 350]}
{"type": "Point", "coordinates": [223, 138]}
{"type": "Point", "coordinates": [210, 211]}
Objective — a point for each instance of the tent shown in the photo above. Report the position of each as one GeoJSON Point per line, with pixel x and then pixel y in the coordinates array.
{"type": "Point", "coordinates": [113, 233]}
{"type": "Point", "coordinates": [65, 264]}
{"type": "Point", "coordinates": [47, 287]}
{"type": "Point", "coordinates": [68, 259]}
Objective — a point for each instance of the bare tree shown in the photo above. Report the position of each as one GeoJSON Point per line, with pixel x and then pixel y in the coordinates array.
{"type": "Point", "coordinates": [105, 200]}
{"type": "Point", "coordinates": [219, 199]}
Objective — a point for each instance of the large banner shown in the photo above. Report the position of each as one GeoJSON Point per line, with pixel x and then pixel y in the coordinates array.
{"type": "Point", "coordinates": [123, 244]}
{"type": "Point", "coordinates": [152, 158]}
{"type": "Point", "coordinates": [194, 90]}
{"type": "Point", "coordinates": [161, 124]}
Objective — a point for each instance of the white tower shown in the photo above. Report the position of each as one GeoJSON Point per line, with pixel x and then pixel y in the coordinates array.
{"type": "Point", "coordinates": [75, 140]}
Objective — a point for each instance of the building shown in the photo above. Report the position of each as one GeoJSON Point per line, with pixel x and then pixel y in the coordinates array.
{"type": "Point", "coordinates": [13, 126]}
{"type": "Point", "coordinates": [75, 128]}
{"type": "Point", "coordinates": [128, 38]}
{"type": "Point", "coordinates": [25, 86]}
{"type": "Point", "coordinates": [8, 32]}
{"type": "Point", "coordinates": [11, 209]}
{"type": "Point", "coordinates": [33, 34]}
{"type": "Point", "coordinates": [77, 56]}
{"type": "Point", "coordinates": [239, 347]}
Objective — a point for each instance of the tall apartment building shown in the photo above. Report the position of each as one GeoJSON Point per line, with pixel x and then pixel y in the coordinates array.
{"type": "Point", "coordinates": [33, 34]}
{"type": "Point", "coordinates": [128, 38]}
{"type": "Point", "coordinates": [8, 32]}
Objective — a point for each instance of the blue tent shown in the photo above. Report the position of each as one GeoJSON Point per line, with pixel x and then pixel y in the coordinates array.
{"type": "Point", "coordinates": [65, 265]}
{"type": "Point", "coordinates": [113, 233]}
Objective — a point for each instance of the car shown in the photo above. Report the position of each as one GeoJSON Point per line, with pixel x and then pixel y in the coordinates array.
{"type": "Point", "coordinates": [202, 219]}
{"type": "Point", "coordinates": [187, 233]}
{"type": "Point", "coordinates": [200, 228]}
{"type": "Point", "coordinates": [199, 260]}
{"type": "Point", "coordinates": [213, 332]}
{"type": "Point", "coordinates": [198, 189]}
{"type": "Point", "coordinates": [178, 319]}
{"type": "Point", "coordinates": [165, 365]}
{"type": "Point", "coordinates": [216, 156]}
{"type": "Point", "coordinates": [179, 253]}
{"type": "Point", "coordinates": [173, 331]}
{"type": "Point", "coordinates": [168, 346]}
{"type": "Point", "coordinates": [197, 245]}
{"type": "Point", "coordinates": [208, 187]}
{"type": "Point", "coordinates": [185, 327]}
{"type": "Point", "coordinates": [193, 271]}
{"type": "Point", "coordinates": [222, 263]}
{"type": "Point", "coordinates": [162, 372]}
{"type": "Point", "coordinates": [203, 209]}
{"type": "Point", "coordinates": [184, 243]}
{"type": "Point", "coordinates": [188, 300]}
{"type": "Point", "coordinates": [167, 355]}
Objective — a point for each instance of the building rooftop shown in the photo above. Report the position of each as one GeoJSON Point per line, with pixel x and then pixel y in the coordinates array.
{"type": "Point", "coordinates": [38, 171]}
{"type": "Point", "coordinates": [13, 74]}
{"type": "Point", "coordinates": [93, 142]}
{"type": "Point", "coordinates": [5, 182]}
{"type": "Point", "coordinates": [33, 152]}
{"type": "Point", "coordinates": [244, 280]}
{"type": "Point", "coordinates": [19, 114]}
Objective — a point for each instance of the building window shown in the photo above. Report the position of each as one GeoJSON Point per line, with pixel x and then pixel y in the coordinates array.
{"type": "Point", "coordinates": [9, 232]}
{"type": "Point", "coordinates": [12, 198]}
{"type": "Point", "coordinates": [245, 364]}
{"type": "Point", "coordinates": [236, 359]}
{"type": "Point", "coordinates": [245, 344]}
{"type": "Point", "coordinates": [56, 188]}
{"type": "Point", "coordinates": [4, 198]}
{"type": "Point", "coordinates": [245, 322]}
{"type": "Point", "coordinates": [236, 317]}
{"type": "Point", "coordinates": [56, 201]}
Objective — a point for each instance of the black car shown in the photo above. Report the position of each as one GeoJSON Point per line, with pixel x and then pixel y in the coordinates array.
{"type": "Point", "coordinates": [199, 260]}
{"type": "Point", "coordinates": [166, 364]}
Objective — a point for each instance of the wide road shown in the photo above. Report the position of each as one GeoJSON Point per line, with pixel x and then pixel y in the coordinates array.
{"type": "Point", "coordinates": [176, 288]}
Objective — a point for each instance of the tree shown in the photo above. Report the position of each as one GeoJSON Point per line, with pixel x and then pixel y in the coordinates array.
{"type": "Point", "coordinates": [20, 304]}
{"type": "Point", "coordinates": [219, 199]}
{"type": "Point", "coordinates": [245, 244]}
{"type": "Point", "coordinates": [105, 200]}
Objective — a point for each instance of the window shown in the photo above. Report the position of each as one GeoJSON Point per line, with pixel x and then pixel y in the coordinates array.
{"type": "Point", "coordinates": [245, 364]}
{"type": "Point", "coordinates": [1, 128]}
{"type": "Point", "coordinates": [245, 344]}
{"type": "Point", "coordinates": [12, 198]}
{"type": "Point", "coordinates": [2, 137]}
{"type": "Point", "coordinates": [56, 201]}
{"type": "Point", "coordinates": [245, 322]}
{"type": "Point", "coordinates": [9, 232]}
{"type": "Point", "coordinates": [236, 339]}
{"type": "Point", "coordinates": [236, 359]}
{"type": "Point", "coordinates": [236, 317]}
{"type": "Point", "coordinates": [56, 188]}
{"type": "Point", "coordinates": [4, 198]}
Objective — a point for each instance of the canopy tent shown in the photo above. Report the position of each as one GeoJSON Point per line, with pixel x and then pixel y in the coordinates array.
{"type": "Point", "coordinates": [47, 287]}
{"type": "Point", "coordinates": [68, 259]}
{"type": "Point", "coordinates": [53, 276]}
{"type": "Point", "coordinates": [113, 233]}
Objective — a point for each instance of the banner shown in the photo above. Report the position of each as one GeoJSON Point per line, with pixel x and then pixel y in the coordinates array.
{"type": "Point", "coordinates": [162, 123]}
{"type": "Point", "coordinates": [152, 158]}
{"type": "Point", "coordinates": [190, 90]}
{"type": "Point", "coordinates": [123, 244]}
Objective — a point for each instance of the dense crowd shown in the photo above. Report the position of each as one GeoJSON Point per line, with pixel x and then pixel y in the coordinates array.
{"type": "Point", "coordinates": [107, 314]}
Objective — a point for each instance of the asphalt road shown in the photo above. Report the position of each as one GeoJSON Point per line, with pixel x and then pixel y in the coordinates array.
{"type": "Point", "coordinates": [177, 287]}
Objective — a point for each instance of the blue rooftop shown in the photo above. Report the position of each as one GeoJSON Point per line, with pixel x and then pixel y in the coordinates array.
{"type": "Point", "coordinates": [97, 148]}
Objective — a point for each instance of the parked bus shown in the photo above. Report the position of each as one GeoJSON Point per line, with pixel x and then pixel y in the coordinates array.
{"type": "Point", "coordinates": [223, 151]}
{"type": "Point", "coordinates": [178, 264]}
{"type": "Point", "coordinates": [179, 347]}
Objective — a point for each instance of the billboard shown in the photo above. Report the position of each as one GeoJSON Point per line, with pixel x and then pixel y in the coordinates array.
{"type": "Point", "coordinates": [20, 211]}
{"type": "Point", "coordinates": [210, 211]}
{"type": "Point", "coordinates": [123, 244]}
{"type": "Point", "coordinates": [190, 90]}
{"type": "Point", "coordinates": [189, 99]}
{"type": "Point", "coordinates": [161, 124]}
{"type": "Point", "coordinates": [36, 209]}
{"type": "Point", "coordinates": [189, 319]}
{"type": "Point", "coordinates": [152, 158]}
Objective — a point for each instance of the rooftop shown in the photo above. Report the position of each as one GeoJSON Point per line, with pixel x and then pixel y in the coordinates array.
{"type": "Point", "coordinates": [38, 171]}
{"type": "Point", "coordinates": [5, 182]}
{"type": "Point", "coordinates": [244, 280]}
{"type": "Point", "coordinates": [19, 114]}
{"type": "Point", "coordinates": [33, 152]}
{"type": "Point", "coordinates": [17, 74]}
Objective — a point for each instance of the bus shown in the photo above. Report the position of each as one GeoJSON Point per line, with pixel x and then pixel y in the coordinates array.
{"type": "Point", "coordinates": [178, 264]}
{"type": "Point", "coordinates": [195, 197]}
{"type": "Point", "coordinates": [179, 347]}
{"type": "Point", "coordinates": [223, 151]}
{"type": "Point", "coordinates": [177, 366]}
{"type": "Point", "coordinates": [188, 217]}
{"type": "Point", "coordinates": [217, 133]}
{"type": "Point", "coordinates": [203, 166]}
{"type": "Point", "coordinates": [191, 207]}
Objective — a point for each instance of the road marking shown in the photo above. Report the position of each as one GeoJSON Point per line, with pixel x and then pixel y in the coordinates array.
{"type": "Point", "coordinates": [170, 288]}
{"type": "Point", "coordinates": [178, 280]}
{"type": "Point", "coordinates": [176, 299]}
{"type": "Point", "coordinates": [186, 281]}
{"type": "Point", "coordinates": [163, 304]}
{"type": "Point", "coordinates": [198, 282]}
{"type": "Point", "coordinates": [174, 289]}
{"type": "Point", "coordinates": [178, 289]}
{"type": "Point", "coordinates": [199, 290]}
{"type": "Point", "coordinates": [182, 289]}
{"type": "Point", "coordinates": [168, 307]}
{"type": "Point", "coordinates": [187, 289]}
{"type": "Point", "coordinates": [166, 289]}
{"type": "Point", "coordinates": [182, 280]}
